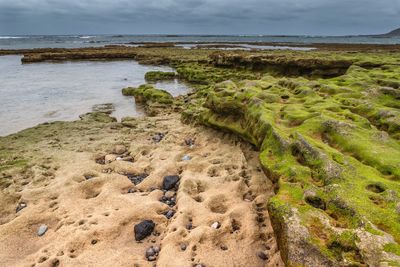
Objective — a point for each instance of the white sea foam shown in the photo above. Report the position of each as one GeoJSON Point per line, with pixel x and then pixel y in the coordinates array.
{"type": "Point", "coordinates": [11, 37]}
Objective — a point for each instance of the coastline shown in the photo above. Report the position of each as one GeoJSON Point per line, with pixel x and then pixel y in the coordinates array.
{"type": "Point", "coordinates": [299, 109]}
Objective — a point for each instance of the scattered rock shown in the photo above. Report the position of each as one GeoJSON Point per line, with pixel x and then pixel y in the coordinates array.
{"type": "Point", "coordinates": [156, 249]}
{"type": "Point", "coordinates": [262, 255]}
{"type": "Point", "coordinates": [144, 229]}
{"type": "Point", "coordinates": [20, 206]}
{"type": "Point", "coordinates": [169, 194]}
{"type": "Point", "coordinates": [136, 178]}
{"type": "Point", "coordinates": [183, 247]}
{"type": "Point", "coordinates": [189, 142]}
{"type": "Point", "coordinates": [131, 190]}
{"type": "Point", "coordinates": [89, 176]}
{"type": "Point", "coordinates": [42, 230]}
{"type": "Point", "coordinates": [186, 158]}
{"type": "Point", "coordinates": [158, 137]}
{"type": "Point", "coordinates": [169, 214]}
{"type": "Point", "coordinates": [189, 226]}
{"type": "Point", "coordinates": [216, 225]}
{"type": "Point", "coordinates": [100, 160]}
{"type": "Point", "coordinates": [152, 258]}
{"type": "Point", "coordinates": [170, 181]}
{"type": "Point", "coordinates": [150, 252]}
{"type": "Point", "coordinates": [120, 149]}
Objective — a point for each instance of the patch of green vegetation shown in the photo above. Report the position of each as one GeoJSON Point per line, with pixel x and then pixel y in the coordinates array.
{"type": "Point", "coordinates": [392, 248]}
{"type": "Point", "coordinates": [331, 144]}
{"type": "Point", "coordinates": [147, 93]}
{"type": "Point", "coordinates": [153, 76]}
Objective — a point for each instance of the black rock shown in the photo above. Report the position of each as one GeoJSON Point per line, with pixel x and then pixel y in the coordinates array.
{"type": "Point", "coordinates": [136, 178]}
{"type": "Point", "coordinates": [189, 142]}
{"type": "Point", "coordinates": [21, 205]}
{"type": "Point", "coordinates": [144, 229]}
{"type": "Point", "coordinates": [262, 255]}
{"type": "Point", "coordinates": [158, 137]}
{"type": "Point", "coordinates": [169, 214]}
{"type": "Point", "coordinates": [150, 252]}
{"type": "Point", "coordinates": [170, 181]}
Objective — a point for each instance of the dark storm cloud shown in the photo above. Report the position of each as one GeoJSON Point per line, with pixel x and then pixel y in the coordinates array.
{"type": "Point", "coordinates": [199, 16]}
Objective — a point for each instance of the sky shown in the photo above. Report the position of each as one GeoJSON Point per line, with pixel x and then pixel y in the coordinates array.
{"type": "Point", "coordinates": [275, 17]}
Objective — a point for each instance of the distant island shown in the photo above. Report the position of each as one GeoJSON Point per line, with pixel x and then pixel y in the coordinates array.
{"type": "Point", "coordinates": [394, 33]}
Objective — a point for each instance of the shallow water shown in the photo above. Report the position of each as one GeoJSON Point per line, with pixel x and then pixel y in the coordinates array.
{"type": "Point", "coordinates": [35, 93]}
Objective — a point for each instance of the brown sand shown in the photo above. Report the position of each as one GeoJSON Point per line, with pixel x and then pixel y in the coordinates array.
{"type": "Point", "coordinates": [90, 221]}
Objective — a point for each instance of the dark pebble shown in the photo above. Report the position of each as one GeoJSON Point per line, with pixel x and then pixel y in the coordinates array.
{"type": "Point", "coordinates": [131, 190]}
{"type": "Point", "coordinates": [170, 181]}
{"type": "Point", "coordinates": [262, 255]}
{"type": "Point", "coordinates": [169, 214]}
{"type": "Point", "coordinates": [144, 229]}
{"type": "Point", "coordinates": [189, 226]}
{"type": "Point", "coordinates": [150, 252]}
{"type": "Point", "coordinates": [20, 206]}
{"type": "Point", "coordinates": [183, 247]}
{"type": "Point", "coordinates": [94, 242]}
{"type": "Point", "coordinates": [136, 178]}
{"type": "Point", "coordinates": [158, 137]}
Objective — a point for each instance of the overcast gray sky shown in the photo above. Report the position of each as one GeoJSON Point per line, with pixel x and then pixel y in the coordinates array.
{"type": "Point", "coordinates": [318, 17]}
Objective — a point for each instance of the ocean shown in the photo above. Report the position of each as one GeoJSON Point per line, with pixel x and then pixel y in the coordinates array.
{"type": "Point", "coordinates": [71, 41]}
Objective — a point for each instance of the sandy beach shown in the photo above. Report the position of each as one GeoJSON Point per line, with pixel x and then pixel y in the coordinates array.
{"type": "Point", "coordinates": [90, 209]}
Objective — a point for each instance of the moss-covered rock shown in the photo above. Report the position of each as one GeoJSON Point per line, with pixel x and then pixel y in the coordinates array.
{"type": "Point", "coordinates": [332, 147]}
{"type": "Point", "coordinates": [153, 76]}
{"type": "Point", "coordinates": [147, 94]}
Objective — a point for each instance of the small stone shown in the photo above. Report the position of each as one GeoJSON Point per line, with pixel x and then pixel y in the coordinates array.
{"type": "Point", "coordinates": [156, 249]}
{"type": "Point", "coordinates": [189, 142]}
{"type": "Point", "coordinates": [144, 229]}
{"type": "Point", "coordinates": [186, 158]}
{"type": "Point", "coordinates": [170, 181]}
{"type": "Point", "coordinates": [42, 230]}
{"type": "Point", "coordinates": [262, 255]}
{"type": "Point", "coordinates": [216, 225]}
{"type": "Point", "coordinates": [189, 226]}
{"type": "Point", "coordinates": [183, 247]}
{"type": "Point", "coordinates": [200, 265]}
{"type": "Point", "coordinates": [169, 214]}
{"type": "Point", "coordinates": [94, 241]}
{"type": "Point", "coordinates": [152, 258]}
{"type": "Point", "coordinates": [150, 252]}
{"type": "Point", "coordinates": [119, 149]}
{"type": "Point", "coordinates": [169, 194]}
{"type": "Point", "coordinates": [158, 137]}
{"type": "Point", "coordinates": [119, 159]}
{"type": "Point", "coordinates": [131, 190]}
{"type": "Point", "coordinates": [20, 206]}
{"type": "Point", "coordinates": [223, 247]}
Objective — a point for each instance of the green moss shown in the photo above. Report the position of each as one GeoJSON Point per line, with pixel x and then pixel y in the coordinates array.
{"type": "Point", "coordinates": [332, 137]}
{"type": "Point", "coordinates": [392, 248]}
{"type": "Point", "coordinates": [147, 93]}
{"type": "Point", "coordinates": [154, 76]}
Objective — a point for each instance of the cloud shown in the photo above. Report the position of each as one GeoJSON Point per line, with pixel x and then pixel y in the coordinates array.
{"type": "Point", "coordinates": [198, 16]}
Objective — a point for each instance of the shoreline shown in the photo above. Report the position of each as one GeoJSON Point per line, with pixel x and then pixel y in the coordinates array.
{"type": "Point", "coordinates": [324, 133]}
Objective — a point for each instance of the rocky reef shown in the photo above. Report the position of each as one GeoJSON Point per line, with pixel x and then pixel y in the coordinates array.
{"type": "Point", "coordinates": [332, 147]}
